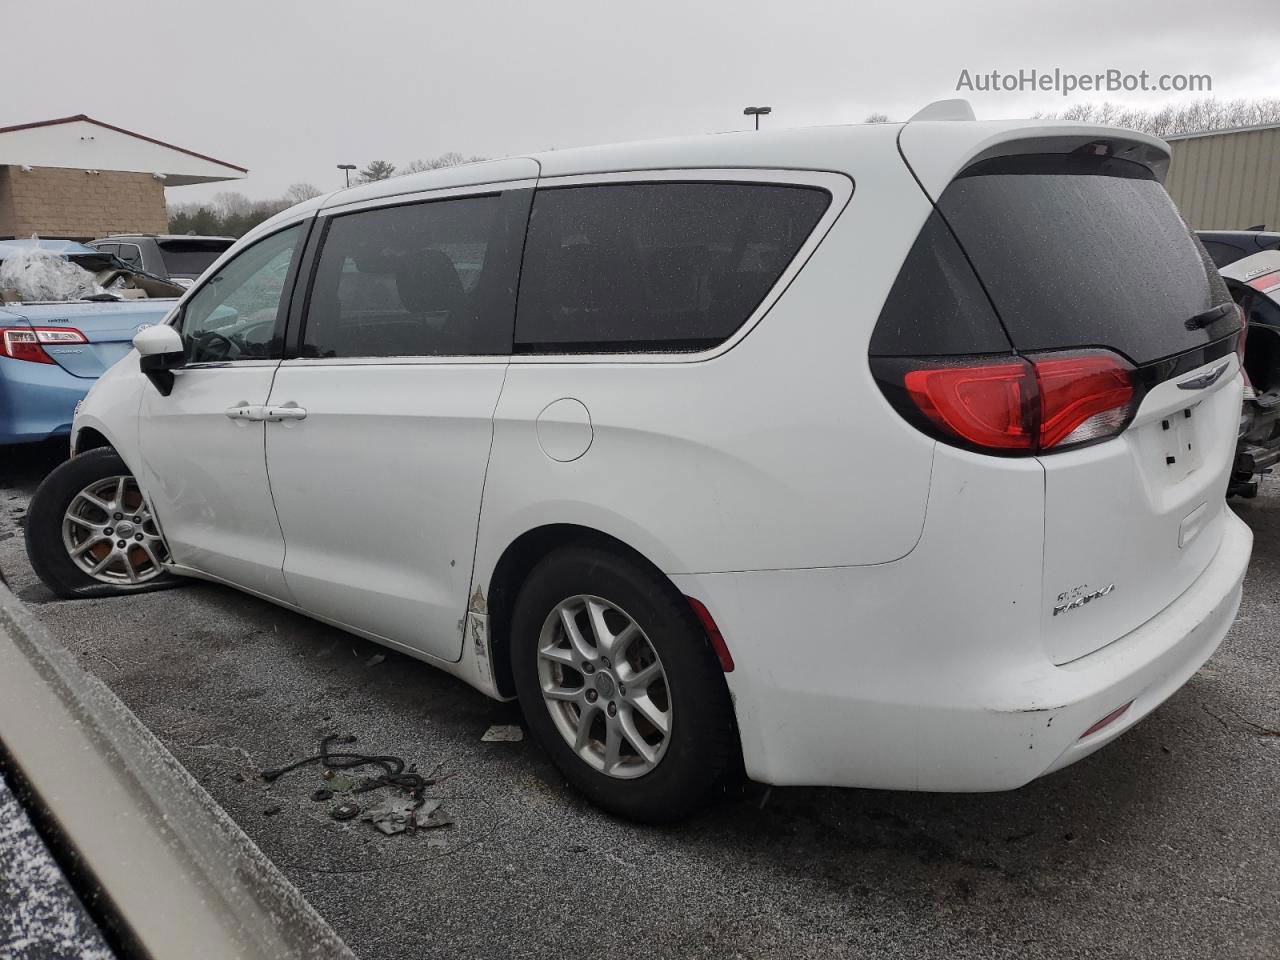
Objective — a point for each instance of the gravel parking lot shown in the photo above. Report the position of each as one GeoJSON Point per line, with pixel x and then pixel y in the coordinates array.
{"type": "Point", "coordinates": [1165, 844]}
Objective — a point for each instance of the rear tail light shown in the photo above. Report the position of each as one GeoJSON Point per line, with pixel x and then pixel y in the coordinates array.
{"type": "Point", "coordinates": [1014, 405]}
{"type": "Point", "coordinates": [1083, 398]}
{"type": "Point", "coordinates": [27, 343]}
{"type": "Point", "coordinates": [986, 404]}
{"type": "Point", "coordinates": [1266, 281]}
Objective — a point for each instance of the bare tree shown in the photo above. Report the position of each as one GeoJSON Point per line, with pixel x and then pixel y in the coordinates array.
{"type": "Point", "coordinates": [231, 213]}
{"type": "Point", "coordinates": [877, 118]}
{"type": "Point", "coordinates": [450, 159]}
{"type": "Point", "coordinates": [377, 170]}
{"type": "Point", "coordinates": [301, 191]}
{"type": "Point", "coordinates": [231, 203]}
{"type": "Point", "coordinates": [1193, 116]}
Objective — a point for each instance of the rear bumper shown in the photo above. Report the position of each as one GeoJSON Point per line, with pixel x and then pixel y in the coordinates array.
{"type": "Point", "coordinates": [37, 400]}
{"type": "Point", "coordinates": [828, 692]}
{"type": "Point", "coordinates": [1153, 662]}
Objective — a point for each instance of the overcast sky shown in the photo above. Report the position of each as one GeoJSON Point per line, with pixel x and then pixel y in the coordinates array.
{"type": "Point", "coordinates": [290, 88]}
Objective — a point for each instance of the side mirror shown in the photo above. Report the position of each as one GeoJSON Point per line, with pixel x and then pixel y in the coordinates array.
{"type": "Point", "coordinates": [159, 352]}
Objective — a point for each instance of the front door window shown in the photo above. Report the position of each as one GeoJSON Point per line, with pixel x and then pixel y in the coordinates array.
{"type": "Point", "coordinates": [236, 314]}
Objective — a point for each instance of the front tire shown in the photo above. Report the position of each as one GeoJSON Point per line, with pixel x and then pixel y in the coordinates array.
{"type": "Point", "coordinates": [90, 533]}
{"type": "Point", "coordinates": [618, 682]}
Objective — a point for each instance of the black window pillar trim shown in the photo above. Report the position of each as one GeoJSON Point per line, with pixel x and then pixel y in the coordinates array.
{"type": "Point", "coordinates": [300, 288]}
{"type": "Point", "coordinates": [517, 208]}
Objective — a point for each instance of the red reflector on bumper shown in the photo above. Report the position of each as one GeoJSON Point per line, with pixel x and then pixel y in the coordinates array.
{"type": "Point", "coordinates": [713, 634]}
{"type": "Point", "coordinates": [1110, 718]}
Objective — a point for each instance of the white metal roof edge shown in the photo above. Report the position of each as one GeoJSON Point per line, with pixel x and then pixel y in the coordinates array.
{"type": "Point", "coordinates": [1225, 130]}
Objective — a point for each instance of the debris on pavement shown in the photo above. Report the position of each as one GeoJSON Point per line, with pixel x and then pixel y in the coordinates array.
{"type": "Point", "coordinates": [393, 815]}
{"type": "Point", "coordinates": [376, 659]}
{"type": "Point", "coordinates": [503, 733]}
{"type": "Point", "coordinates": [272, 811]}
{"type": "Point", "coordinates": [438, 817]}
{"type": "Point", "coordinates": [394, 768]}
{"type": "Point", "coordinates": [338, 782]}
{"type": "Point", "coordinates": [405, 809]}
{"type": "Point", "coordinates": [345, 811]}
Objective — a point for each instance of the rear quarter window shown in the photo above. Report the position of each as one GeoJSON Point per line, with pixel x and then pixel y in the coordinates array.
{"type": "Point", "coordinates": [655, 266]}
{"type": "Point", "coordinates": [937, 307]}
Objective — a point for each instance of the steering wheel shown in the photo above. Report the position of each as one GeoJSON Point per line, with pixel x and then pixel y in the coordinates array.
{"type": "Point", "coordinates": [211, 347]}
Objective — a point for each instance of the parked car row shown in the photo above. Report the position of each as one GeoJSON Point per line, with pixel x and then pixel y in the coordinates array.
{"type": "Point", "coordinates": [887, 456]}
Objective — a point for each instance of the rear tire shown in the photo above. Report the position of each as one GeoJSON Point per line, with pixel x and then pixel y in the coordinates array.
{"type": "Point", "coordinates": [651, 776]}
{"type": "Point", "coordinates": [82, 511]}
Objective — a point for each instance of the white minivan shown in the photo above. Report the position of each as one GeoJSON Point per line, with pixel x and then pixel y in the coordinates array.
{"type": "Point", "coordinates": [887, 455]}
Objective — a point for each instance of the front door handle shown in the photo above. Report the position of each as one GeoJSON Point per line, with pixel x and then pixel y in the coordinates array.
{"type": "Point", "coordinates": [246, 411]}
{"type": "Point", "coordinates": [288, 411]}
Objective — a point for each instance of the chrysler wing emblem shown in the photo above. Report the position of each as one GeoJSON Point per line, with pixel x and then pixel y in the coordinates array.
{"type": "Point", "coordinates": [1205, 379]}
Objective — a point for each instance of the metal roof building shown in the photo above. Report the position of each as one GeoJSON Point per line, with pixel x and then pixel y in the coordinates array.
{"type": "Point", "coordinates": [1227, 179]}
{"type": "Point", "coordinates": [78, 178]}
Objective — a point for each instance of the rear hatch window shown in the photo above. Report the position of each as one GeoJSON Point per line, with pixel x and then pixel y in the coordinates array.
{"type": "Point", "coordinates": [190, 258]}
{"type": "Point", "coordinates": [1079, 250]}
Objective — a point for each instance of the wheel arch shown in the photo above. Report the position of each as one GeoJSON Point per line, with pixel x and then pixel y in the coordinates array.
{"type": "Point", "coordinates": [89, 438]}
{"type": "Point", "coordinates": [514, 566]}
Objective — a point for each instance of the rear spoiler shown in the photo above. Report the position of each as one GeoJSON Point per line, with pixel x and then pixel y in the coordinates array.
{"type": "Point", "coordinates": [936, 152]}
{"type": "Point", "coordinates": [161, 868]}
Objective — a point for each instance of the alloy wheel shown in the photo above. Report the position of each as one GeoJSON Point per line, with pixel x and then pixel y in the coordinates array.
{"type": "Point", "coordinates": [604, 686]}
{"type": "Point", "coordinates": [110, 534]}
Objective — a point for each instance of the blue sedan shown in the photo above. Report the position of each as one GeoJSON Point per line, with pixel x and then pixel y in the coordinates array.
{"type": "Point", "coordinates": [51, 352]}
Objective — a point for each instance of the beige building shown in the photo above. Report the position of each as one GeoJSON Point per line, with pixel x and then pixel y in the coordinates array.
{"type": "Point", "coordinates": [1227, 179]}
{"type": "Point", "coordinates": [77, 178]}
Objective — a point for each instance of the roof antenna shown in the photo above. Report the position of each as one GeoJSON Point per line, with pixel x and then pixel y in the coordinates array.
{"type": "Point", "coordinates": [945, 110]}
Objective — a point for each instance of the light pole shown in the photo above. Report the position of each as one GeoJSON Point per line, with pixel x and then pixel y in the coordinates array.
{"type": "Point", "coordinates": [757, 112]}
{"type": "Point", "coordinates": [347, 168]}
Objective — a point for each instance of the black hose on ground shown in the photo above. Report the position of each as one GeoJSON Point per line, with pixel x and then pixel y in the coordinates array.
{"type": "Point", "coordinates": [394, 773]}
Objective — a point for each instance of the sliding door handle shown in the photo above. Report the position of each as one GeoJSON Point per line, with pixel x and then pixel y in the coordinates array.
{"type": "Point", "coordinates": [288, 411]}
